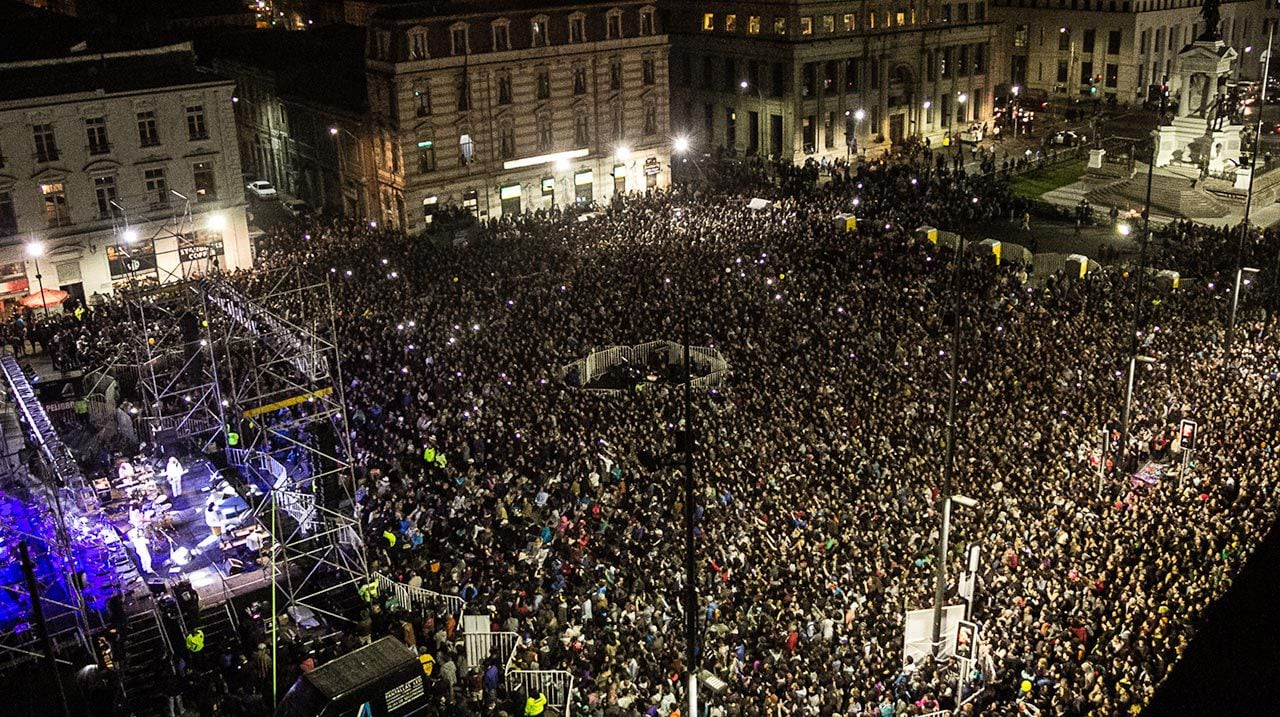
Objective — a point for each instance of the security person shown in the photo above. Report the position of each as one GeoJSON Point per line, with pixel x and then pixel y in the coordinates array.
{"type": "Point", "coordinates": [195, 641]}
{"type": "Point", "coordinates": [368, 591]}
{"type": "Point", "coordinates": [535, 705]}
{"type": "Point", "coordinates": [81, 407]}
{"type": "Point", "coordinates": [233, 438]}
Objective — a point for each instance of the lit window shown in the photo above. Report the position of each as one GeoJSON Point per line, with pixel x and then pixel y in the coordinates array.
{"type": "Point", "coordinates": [709, 22]}
{"type": "Point", "coordinates": [779, 25]}
{"type": "Point", "coordinates": [730, 23]}
{"type": "Point", "coordinates": [538, 29]}
{"type": "Point", "coordinates": [828, 24]}
{"type": "Point", "coordinates": [850, 24]}
{"type": "Point", "coordinates": [806, 26]}
{"type": "Point", "coordinates": [753, 25]}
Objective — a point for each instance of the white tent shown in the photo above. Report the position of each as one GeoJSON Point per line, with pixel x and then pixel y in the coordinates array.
{"type": "Point", "coordinates": [758, 204]}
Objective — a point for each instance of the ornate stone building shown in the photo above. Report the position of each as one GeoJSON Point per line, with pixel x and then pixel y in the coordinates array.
{"type": "Point", "coordinates": [499, 108]}
{"type": "Point", "coordinates": [804, 78]}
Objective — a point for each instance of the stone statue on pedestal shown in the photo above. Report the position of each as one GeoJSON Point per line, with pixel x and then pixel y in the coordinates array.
{"type": "Point", "coordinates": [1212, 19]}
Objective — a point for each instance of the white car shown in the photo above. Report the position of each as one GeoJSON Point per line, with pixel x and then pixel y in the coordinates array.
{"type": "Point", "coordinates": [261, 189]}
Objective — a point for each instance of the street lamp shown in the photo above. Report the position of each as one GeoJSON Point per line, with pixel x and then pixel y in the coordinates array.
{"type": "Point", "coordinates": [758, 139]}
{"type": "Point", "coordinates": [859, 115]}
{"type": "Point", "coordinates": [1244, 275]}
{"type": "Point", "coordinates": [680, 145]}
{"type": "Point", "coordinates": [622, 153]}
{"type": "Point", "coordinates": [940, 584]}
{"type": "Point", "coordinates": [217, 222]}
{"type": "Point", "coordinates": [35, 250]}
{"type": "Point", "coordinates": [1134, 360]}
{"type": "Point", "coordinates": [1013, 108]}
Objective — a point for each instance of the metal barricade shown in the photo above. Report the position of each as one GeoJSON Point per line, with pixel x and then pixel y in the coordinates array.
{"type": "Point", "coordinates": [419, 600]}
{"type": "Point", "coordinates": [557, 685]}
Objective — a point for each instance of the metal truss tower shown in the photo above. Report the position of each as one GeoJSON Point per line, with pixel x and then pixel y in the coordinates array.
{"type": "Point", "coordinates": [176, 368]}
{"type": "Point", "coordinates": [283, 396]}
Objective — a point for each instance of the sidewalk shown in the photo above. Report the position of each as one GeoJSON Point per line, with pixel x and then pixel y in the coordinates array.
{"type": "Point", "coordinates": [1263, 216]}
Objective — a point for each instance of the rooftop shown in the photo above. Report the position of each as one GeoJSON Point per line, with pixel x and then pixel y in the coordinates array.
{"type": "Point", "coordinates": [396, 11]}
{"type": "Point", "coordinates": [108, 73]}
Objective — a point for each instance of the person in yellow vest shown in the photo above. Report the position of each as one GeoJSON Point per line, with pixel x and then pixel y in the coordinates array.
{"type": "Point", "coordinates": [427, 661]}
{"type": "Point", "coordinates": [81, 407]}
{"type": "Point", "coordinates": [233, 438]}
{"type": "Point", "coordinates": [79, 312]}
{"type": "Point", "coordinates": [535, 705]}
{"type": "Point", "coordinates": [195, 641]}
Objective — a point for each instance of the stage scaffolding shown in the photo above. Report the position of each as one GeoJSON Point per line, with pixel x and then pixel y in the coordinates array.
{"type": "Point", "coordinates": [45, 513]}
{"type": "Point", "coordinates": [252, 368]}
{"type": "Point", "coordinates": [177, 375]}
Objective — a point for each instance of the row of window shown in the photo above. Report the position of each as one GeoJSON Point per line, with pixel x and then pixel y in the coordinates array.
{"type": "Point", "coordinates": [544, 136]}
{"type": "Point", "coordinates": [884, 18]}
{"type": "Point", "coordinates": [1111, 5]}
{"type": "Point", "coordinates": [1088, 78]}
{"type": "Point", "coordinates": [98, 141]}
{"type": "Point", "coordinates": [57, 210]}
{"type": "Point", "coordinates": [419, 45]}
{"type": "Point", "coordinates": [542, 87]}
{"type": "Point", "coordinates": [859, 73]}
{"type": "Point", "coordinates": [1088, 41]}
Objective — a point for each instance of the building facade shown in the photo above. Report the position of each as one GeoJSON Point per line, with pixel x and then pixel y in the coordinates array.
{"type": "Point", "coordinates": [1117, 50]}
{"type": "Point", "coordinates": [808, 79]}
{"type": "Point", "coordinates": [515, 109]}
{"type": "Point", "coordinates": [122, 166]}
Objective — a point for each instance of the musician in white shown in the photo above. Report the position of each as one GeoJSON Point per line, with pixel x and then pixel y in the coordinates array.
{"type": "Point", "coordinates": [174, 472]}
{"type": "Point", "coordinates": [140, 544]}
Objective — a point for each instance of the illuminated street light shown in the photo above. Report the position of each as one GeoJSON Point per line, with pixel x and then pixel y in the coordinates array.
{"type": "Point", "coordinates": [217, 222]}
{"type": "Point", "coordinates": [681, 145]}
{"type": "Point", "coordinates": [860, 115]}
{"type": "Point", "coordinates": [129, 236]}
{"type": "Point", "coordinates": [622, 152]}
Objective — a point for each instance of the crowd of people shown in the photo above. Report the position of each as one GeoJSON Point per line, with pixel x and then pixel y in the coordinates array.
{"type": "Point", "coordinates": [819, 468]}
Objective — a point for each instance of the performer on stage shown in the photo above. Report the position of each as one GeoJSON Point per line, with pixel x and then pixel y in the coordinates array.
{"type": "Point", "coordinates": [125, 471]}
{"type": "Point", "coordinates": [140, 544]}
{"type": "Point", "coordinates": [174, 471]}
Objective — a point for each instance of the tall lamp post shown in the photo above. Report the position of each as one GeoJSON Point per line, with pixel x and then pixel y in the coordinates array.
{"type": "Point", "coordinates": [759, 134]}
{"type": "Point", "coordinates": [948, 467]}
{"type": "Point", "coordinates": [859, 115]}
{"type": "Point", "coordinates": [35, 250]}
{"type": "Point", "coordinates": [1013, 109]}
{"type": "Point", "coordinates": [940, 584]}
{"type": "Point", "coordinates": [1248, 202]}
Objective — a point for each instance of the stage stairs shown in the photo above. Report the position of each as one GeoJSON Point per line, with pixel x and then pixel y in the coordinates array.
{"type": "Point", "coordinates": [146, 662]}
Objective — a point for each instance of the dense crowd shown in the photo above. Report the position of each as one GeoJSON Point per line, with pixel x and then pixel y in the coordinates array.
{"type": "Point", "coordinates": [818, 469]}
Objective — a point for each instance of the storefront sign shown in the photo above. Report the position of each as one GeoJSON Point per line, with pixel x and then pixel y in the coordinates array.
{"type": "Point", "coordinates": [124, 259]}
{"type": "Point", "coordinates": [651, 166]}
{"type": "Point", "coordinates": [200, 252]}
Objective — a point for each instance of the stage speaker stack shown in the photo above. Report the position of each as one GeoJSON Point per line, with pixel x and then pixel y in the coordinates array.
{"type": "Point", "coordinates": [330, 487]}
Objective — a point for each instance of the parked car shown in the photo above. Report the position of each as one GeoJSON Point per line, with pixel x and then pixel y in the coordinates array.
{"type": "Point", "coordinates": [261, 189]}
{"type": "Point", "coordinates": [297, 208]}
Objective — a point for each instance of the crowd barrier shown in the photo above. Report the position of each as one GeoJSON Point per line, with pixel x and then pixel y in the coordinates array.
{"type": "Point", "coordinates": [557, 685]}
{"type": "Point", "coordinates": [419, 600]}
{"type": "Point", "coordinates": [601, 361]}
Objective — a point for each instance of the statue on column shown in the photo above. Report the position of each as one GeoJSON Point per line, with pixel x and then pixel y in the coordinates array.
{"type": "Point", "coordinates": [1212, 16]}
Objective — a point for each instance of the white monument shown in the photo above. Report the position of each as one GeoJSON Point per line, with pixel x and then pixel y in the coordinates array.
{"type": "Point", "coordinates": [1200, 135]}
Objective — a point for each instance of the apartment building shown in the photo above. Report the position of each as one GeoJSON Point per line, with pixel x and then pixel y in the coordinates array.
{"type": "Point", "coordinates": [514, 106]}
{"type": "Point", "coordinates": [122, 166]}
{"type": "Point", "coordinates": [802, 79]}
{"type": "Point", "coordinates": [1118, 50]}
